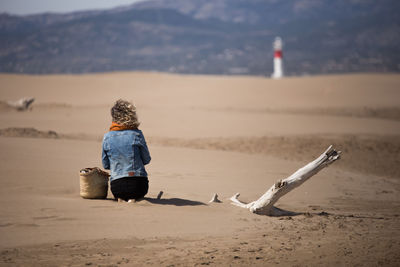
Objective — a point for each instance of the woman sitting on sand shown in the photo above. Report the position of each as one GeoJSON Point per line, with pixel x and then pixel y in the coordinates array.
{"type": "Point", "coordinates": [125, 153]}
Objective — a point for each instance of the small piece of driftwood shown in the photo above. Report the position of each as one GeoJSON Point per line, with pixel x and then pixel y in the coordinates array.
{"type": "Point", "coordinates": [21, 104]}
{"type": "Point", "coordinates": [215, 199]}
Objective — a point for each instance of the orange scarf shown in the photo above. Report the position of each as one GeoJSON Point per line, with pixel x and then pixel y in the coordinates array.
{"type": "Point", "coordinates": [118, 127]}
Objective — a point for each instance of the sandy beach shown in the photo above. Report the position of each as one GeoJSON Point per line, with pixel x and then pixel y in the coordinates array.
{"type": "Point", "coordinates": [206, 135]}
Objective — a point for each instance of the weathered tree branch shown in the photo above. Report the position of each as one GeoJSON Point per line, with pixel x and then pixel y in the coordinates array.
{"type": "Point", "coordinates": [265, 204]}
{"type": "Point", "coordinates": [21, 104]}
{"type": "Point", "coordinates": [215, 199]}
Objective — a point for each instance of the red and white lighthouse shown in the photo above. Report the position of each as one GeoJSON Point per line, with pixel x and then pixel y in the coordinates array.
{"type": "Point", "coordinates": [278, 65]}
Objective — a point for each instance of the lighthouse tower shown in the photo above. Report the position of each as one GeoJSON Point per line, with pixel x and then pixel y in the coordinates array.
{"type": "Point", "coordinates": [278, 65]}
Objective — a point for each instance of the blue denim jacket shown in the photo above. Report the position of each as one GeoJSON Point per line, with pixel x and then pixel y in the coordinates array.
{"type": "Point", "coordinates": [125, 153]}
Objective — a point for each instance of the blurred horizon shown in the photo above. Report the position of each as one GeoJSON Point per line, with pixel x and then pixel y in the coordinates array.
{"type": "Point", "coordinates": [24, 7]}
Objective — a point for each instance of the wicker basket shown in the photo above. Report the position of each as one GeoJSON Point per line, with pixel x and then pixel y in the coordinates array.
{"type": "Point", "coordinates": [93, 183]}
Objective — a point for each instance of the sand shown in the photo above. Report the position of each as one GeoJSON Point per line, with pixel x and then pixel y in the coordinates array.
{"type": "Point", "coordinates": [206, 134]}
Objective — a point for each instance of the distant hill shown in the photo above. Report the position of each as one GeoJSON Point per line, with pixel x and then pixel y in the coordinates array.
{"type": "Point", "coordinates": [207, 37]}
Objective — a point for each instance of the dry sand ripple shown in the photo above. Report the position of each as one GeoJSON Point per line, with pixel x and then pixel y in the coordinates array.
{"type": "Point", "coordinates": [388, 113]}
{"type": "Point", "coordinates": [379, 155]}
{"type": "Point", "coordinates": [306, 240]}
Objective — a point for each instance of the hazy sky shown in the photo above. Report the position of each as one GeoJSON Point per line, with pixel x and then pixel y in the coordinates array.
{"type": "Point", "coordinates": [23, 7]}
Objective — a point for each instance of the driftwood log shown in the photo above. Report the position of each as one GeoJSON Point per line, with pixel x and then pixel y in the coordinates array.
{"type": "Point", "coordinates": [21, 104]}
{"type": "Point", "coordinates": [265, 204]}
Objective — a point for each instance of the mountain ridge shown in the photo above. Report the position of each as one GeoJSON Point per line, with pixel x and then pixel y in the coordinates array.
{"type": "Point", "coordinates": [203, 37]}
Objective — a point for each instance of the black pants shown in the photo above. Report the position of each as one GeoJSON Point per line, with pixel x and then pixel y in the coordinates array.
{"type": "Point", "coordinates": [130, 187]}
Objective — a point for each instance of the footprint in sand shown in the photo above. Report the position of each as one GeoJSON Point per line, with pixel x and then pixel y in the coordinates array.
{"type": "Point", "coordinates": [65, 219]}
{"type": "Point", "coordinates": [27, 225]}
{"type": "Point", "coordinates": [54, 218]}
{"type": "Point", "coordinates": [45, 217]}
{"type": "Point", "coordinates": [101, 207]}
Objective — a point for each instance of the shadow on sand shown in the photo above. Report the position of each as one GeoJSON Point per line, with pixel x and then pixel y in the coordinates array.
{"type": "Point", "coordinates": [167, 201]}
{"type": "Point", "coordinates": [174, 201]}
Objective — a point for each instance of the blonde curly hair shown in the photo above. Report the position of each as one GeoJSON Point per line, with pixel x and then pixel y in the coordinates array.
{"type": "Point", "coordinates": [124, 113]}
